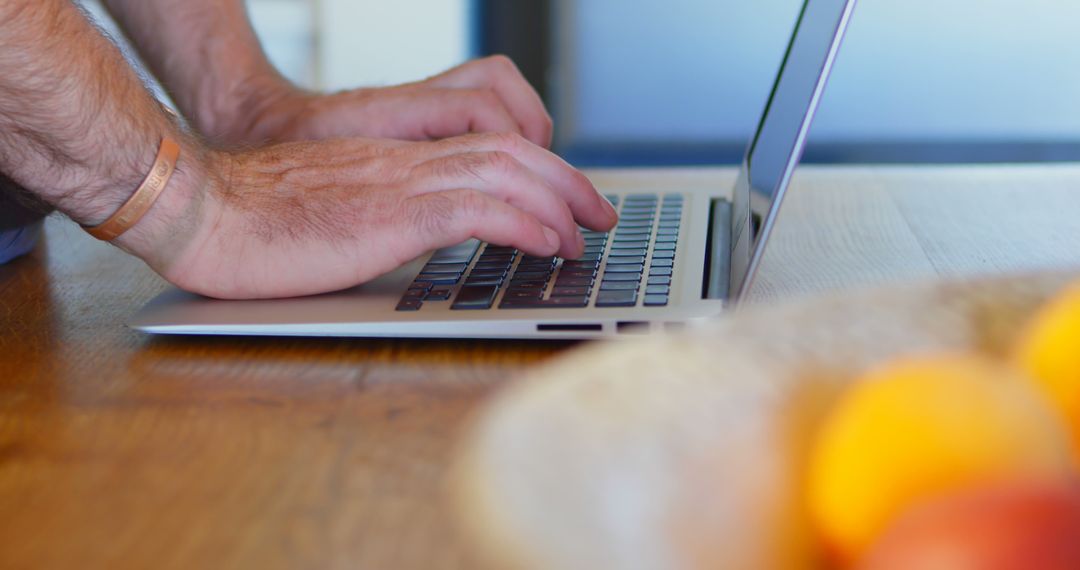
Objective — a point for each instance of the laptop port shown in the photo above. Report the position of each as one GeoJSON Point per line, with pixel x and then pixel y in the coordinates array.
{"type": "Point", "coordinates": [569, 327]}
{"type": "Point", "coordinates": [632, 327]}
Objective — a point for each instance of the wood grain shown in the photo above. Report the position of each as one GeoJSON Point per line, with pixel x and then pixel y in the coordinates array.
{"type": "Point", "coordinates": [118, 449]}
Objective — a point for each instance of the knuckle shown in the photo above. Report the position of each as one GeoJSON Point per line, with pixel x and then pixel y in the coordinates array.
{"type": "Point", "coordinates": [484, 98]}
{"type": "Point", "coordinates": [469, 165]}
{"type": "Point", "coordinates": [547, 122]}
{"type": "Point", "coordinates": [500, 163]}
{"type": "Point", "coordinates": [501, 61]}
{"type": "Point", "coordinates": [507, 141]}
{"type": "Point", "coordinates": [432, 216]}
{"type": "Point", "coordinates": [468, 212]}
{"type": "Point", "coordinates": [469, 204]}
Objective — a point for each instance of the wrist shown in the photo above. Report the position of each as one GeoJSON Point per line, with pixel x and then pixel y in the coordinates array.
{"type": "Point", "coordinates": [176, 221]}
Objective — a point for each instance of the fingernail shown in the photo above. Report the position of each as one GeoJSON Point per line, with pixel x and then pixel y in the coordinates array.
{"type": "Point", "coordinates": [609, 206]}
{"type": "Point", "coordinates": [552, 238]}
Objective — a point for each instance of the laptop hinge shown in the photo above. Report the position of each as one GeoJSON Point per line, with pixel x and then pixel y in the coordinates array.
{"type": "Point", "coordinates": [718, 251]}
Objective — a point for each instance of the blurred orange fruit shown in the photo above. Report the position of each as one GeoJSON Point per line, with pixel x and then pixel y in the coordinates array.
{"type": "Point", "coordinates": [1049, 351]}
{"type": "Point", "coordinates": [920, 427]}
{"type": "Point", "coordinates": [1010, 526]}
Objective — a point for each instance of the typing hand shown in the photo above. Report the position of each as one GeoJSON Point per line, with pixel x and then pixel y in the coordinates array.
{"type": "Point", "coordinates": [310, 217]}
{"type": "Point", "coordinates": [485, 95]}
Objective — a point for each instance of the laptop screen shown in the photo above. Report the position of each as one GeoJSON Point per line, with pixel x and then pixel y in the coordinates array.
{"type": "Point", "coordinates": [778, 143]}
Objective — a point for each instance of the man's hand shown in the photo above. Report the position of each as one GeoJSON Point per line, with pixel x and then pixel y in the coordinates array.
{"type": "Point", "coordinates": [309, 217]}
{"type": "Point", "coordinates": [485, 95]}
{"type": "Point", "coordinates": [79, 131]}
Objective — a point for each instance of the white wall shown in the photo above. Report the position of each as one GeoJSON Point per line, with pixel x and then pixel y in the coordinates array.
{"type": "Point", "coordinates": [380, 42]}
{"type": "Point", "coordinates": [909, 70]}
{"type": "Point", "coordinates": [336, 44]}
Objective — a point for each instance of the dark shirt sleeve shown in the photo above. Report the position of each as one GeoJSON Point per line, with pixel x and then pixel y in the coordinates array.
{"type": "Point", "coordinates": [17, 207]}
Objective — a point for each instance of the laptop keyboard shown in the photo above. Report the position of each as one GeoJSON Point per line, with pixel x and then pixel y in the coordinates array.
{"type": "Point", "coordinates": [631, 266]}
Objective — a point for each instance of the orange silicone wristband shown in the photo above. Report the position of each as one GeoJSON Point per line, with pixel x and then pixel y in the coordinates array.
{"type": "Point", "coordinates": [144, 197]}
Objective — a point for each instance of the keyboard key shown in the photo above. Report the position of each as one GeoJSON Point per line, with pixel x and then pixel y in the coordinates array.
{"type": "Point", "coordinates": [439, 294]}
{"type": "Point", "coordinates": [656, 300]}
{"type": "Point", "coordinates": [625, 259]}
{"type": "Point", "coordinates": [659, 280]}
{"type": "Point", "coordinates": [611, 298]}
{"type": "Point", "coordinates": [421, 285]}
{"type": "Point", "coordinates": [569, 301]}
{"type": "Point", "coordinates": [663, 271]}
{"type": "Point", "coordinates": [587, 264]}
{"type": "Point", "coordinates": [657, 290]}
{"type": "Point", "coordinates": [670, 246]}
{"type": "Point", "coordinates": [667, 231]}
{"type": "Point", "coordinates": [527, 272]}
{"type": "Point", "coordinates": [496, 257]}
{"type": "Point", "coordinates": [662, 263]}
{"type": "Point", "coordinates": [669, 224]}
{"type": "Point", "coordinates": [487, 274]}
{"type": "Point", "coordinates": [438, 278]}
{"type": "Point", "coordinates": [491, 266]}
{"type": "Point", "coordinates": [530, 275]}
{"type": "Point", "coordinates": [484, 281]}
{"type": "Point", "coordinates": [619, 286]}
{"type": "Point", "coordinates": [524, 294]}
{"type": "Point", "coordinates": [623, 276]}
{"type": "Point", "coordinates": [633, 224]}
{"type": "Point", "coordinates": [415, 294]}
{"type": "Point", "coordinates": [577, 272]}
{"type": "Point", "coordinates": [457, 268]}
{"type": "Point", "coordinates": [461, 253]}
{"type": "Point", "coordinates": [536, 284]}
{"type": "Point", "coordinates": [475, 297]}
{"type": "Point", "coordinates": [409, 305]}
{"type": "Point", "coordinates": [536, 263]}
{"type": "Point", "coordinates": [667, 239]}
{"type": "Point", "coordinates": [632, 251]}
{"type": "Point", "coordinates": [569, 291]}
{"type": "Point", "coordinates": [625, 244]}
{"type": "Point", "coordinates": [667, 254]}
{"type": "Point", "coordinates": [638, 268]}
{"type": "Point", "coordinates": [573, 281]}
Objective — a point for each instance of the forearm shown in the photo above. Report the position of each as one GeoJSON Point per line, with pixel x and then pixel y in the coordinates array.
{"type": "Point", "coordinates": [78, 130]}
{"type": "Point", "coordinates": [208, 58]}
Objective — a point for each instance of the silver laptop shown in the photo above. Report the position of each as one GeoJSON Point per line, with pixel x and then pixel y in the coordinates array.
{"type": "Point", "coordinates": [675, 257]}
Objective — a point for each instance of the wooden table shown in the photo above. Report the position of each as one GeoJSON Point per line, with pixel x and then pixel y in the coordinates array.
{"type": "Point", "coordinates": [119, 449]}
